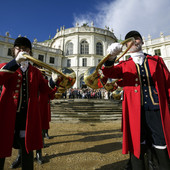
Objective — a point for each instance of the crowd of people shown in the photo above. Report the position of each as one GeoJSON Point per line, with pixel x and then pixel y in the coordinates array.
{"type": "Point", "coordinates": [87, 93]}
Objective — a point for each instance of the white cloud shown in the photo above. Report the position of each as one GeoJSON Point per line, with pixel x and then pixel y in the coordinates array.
{"type": "Point", "coordinates": [146, 16]}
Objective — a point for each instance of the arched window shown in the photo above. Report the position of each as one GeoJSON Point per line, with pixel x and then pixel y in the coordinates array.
{"type": "Point", "coordinates": [69, 48]}
{"type": "Point", "coordinates": [84, 47]}
{"type": "Point", "coordinates": [99, 48]}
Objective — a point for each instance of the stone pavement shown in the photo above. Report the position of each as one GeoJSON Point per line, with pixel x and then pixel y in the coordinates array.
{"type": "Point", "coordinates": [81, 146]}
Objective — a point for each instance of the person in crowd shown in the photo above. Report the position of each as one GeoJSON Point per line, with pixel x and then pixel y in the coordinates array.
{"type": "Point", "coordinates": [20, 119]}
{"type": "Point", "coordinates": [146, 87]}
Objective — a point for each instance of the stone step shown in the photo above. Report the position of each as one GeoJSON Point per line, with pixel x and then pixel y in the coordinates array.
{"type": "Point", "coordinates": [86, 109]}
{"type": "Point", "coordinates": [85, 119]}
{"type": "Point", "coordinates": [87, 112]}
{"type": "Point", "coordinates": [83, 110]}
{"type": "Point", "coordinates": [86, 115]}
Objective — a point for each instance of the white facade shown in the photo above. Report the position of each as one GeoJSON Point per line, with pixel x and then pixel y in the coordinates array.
{"type": "Point", "coordinates": [81, 48]}
{"type": "Point", "coordinates": [81, 58]}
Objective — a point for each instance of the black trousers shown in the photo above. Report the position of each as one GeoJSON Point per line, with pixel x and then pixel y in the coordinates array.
{"type": "Point", "coordinates": [151, 128]}
{"type": "Point", "coordinates": [26, 158]}
{"type": "Point", "coordinates": [2, 161]}
{"type": "Point", "coordinates": [163, 161]}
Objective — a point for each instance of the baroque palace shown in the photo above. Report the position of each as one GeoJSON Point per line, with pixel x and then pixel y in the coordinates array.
{"type": "Point", "coordinates": [82, 47]}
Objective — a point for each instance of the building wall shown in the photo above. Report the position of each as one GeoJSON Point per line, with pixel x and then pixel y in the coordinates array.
{"type": "Point", "coordinates": [76, 35]}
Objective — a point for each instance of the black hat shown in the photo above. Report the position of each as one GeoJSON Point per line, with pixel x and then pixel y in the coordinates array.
{"type": "Point", "coordinates": [132, 34]}
{"type": "Point", "coordinates": [22, 41]}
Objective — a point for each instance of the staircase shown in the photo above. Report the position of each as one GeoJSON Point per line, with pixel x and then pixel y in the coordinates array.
{"type": "Point", "coordinates": [85, 110]}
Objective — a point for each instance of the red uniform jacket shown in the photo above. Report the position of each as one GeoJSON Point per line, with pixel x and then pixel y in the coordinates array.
{"type": "Point", "coordinates": [11, 82]}
{"type": "Point", "coordinates": [45, 110]}
{"type": "Point", "coordinates": [131, 104]}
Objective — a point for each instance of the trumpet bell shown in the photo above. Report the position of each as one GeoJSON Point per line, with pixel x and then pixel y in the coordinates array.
{"type": "Point", "coordinates": [69, 79]}
{"type": "Point", "coordinates": [93, 79]}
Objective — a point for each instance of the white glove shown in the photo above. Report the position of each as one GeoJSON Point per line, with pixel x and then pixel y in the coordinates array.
{"type": "Point", "coordinates": [54, 77]}
{"type": "Point", "coordinates": [114, 49]}
{"type": "Point", "coordinates": [20, 57]}
{"type": "Point", "coordinates": [57, 78]}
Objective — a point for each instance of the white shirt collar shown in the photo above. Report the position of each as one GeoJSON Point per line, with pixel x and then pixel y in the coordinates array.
{"type": "Point", "coordinates": [138, 57]}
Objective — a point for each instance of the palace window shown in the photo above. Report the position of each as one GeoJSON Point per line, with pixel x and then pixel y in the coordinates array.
{"type": "Point", "coordinates": [69, 48]}
{"type": "Point", "coordinates": [9, 52]}
{"type": "Point", "coordinates": [52, 59]}
{"type": "Point", "coordinates": [41, 57]}
{"type": "Point", "coordinates": [127, 57]}
{"type": "Point", "coordinates": [99, 48]}
{"type": "Point", "coordinates": [84, 62]}
{"type": "Point", "coordinates": [157, 52]}
{"type": "Point", "coordinates": [84, 47]}
{"type": "Point", "coordinates": [68, 62]}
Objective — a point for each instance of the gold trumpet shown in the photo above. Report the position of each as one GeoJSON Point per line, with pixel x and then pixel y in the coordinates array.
{"type": "Point", "coordinates": [68, 75]}
{"type": "Point", "coordinates": [45, 72]}
{"type": "Point", "coordinates": [94, 79]}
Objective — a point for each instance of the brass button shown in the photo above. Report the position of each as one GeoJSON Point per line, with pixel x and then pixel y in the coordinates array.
{"type": "Point", "coordinates": [136, 85]}
{"type": "Point", "coordinates": [17, 85]}
{"type": "Point", "coordinates": [14, 97]}
{"type": "Point", "coordinates": [136, 79]}
{"type": "Point", "coordinates": [19, 75]}
{"type": "Point", "coordinates": [145, 102]}
{"type": "Point", "coordinates": [16, 91]}
{"type": "Point", "coordinates": [136, 91]}
{"type": "Point", "coordinates": [19, 80]}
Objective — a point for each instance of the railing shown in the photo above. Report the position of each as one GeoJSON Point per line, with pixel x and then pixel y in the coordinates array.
{"type": "Point", "coordinates": [7, 39]}
{"type": "Point", "coordinates": [157, 40]}
{"type": "Point", "coordinates": [84, 29]}
{"type": "Point", "coordinates": [48, 49]}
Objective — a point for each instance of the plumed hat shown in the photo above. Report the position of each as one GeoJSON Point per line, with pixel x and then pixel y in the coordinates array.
{"type": "Point", "coordinates": [22, 41]}
{"type": "Point", "coordinates": [132, 34]}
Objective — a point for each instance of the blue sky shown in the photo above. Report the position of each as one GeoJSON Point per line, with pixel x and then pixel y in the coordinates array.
{"type": "Point", "coordinates": [41, 18]}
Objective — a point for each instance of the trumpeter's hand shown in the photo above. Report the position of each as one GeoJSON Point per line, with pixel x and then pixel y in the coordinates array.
{"type": "Point", "coordinates": [57, 78]}
{"type": "Point", "coordinates": [114, 49]}
{"type": "Point", "coordinates": [20, 57]}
